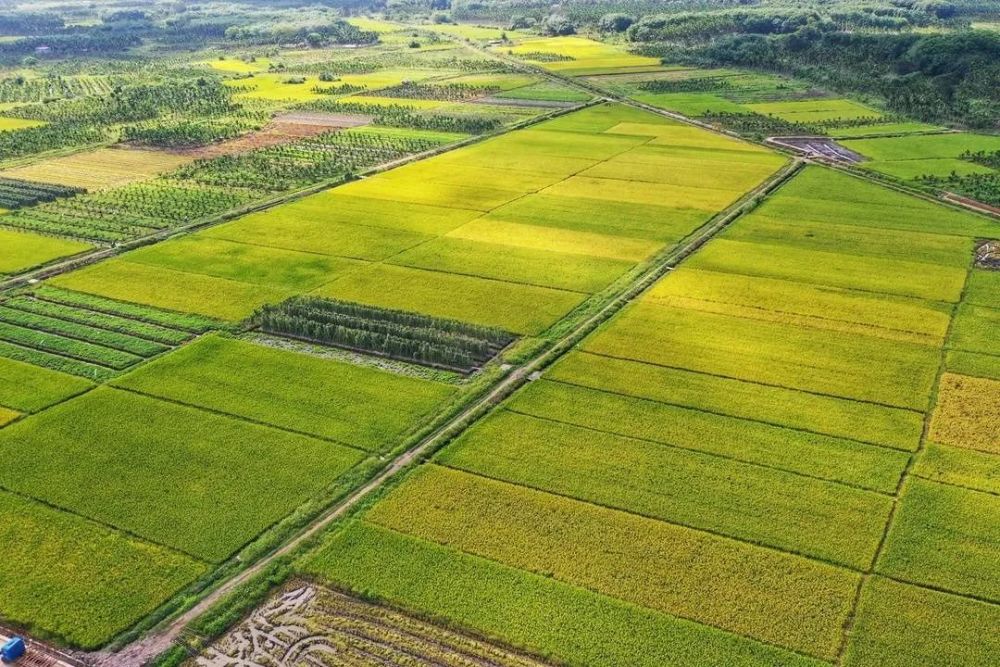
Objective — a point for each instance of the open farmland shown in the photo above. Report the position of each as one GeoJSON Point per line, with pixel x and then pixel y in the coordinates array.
{"type": "Point", "coordinates": [764, 404]}
{"type": "Point", "coordinates": [472, 335]}
{"type": "Point", "coordinates": [100, 169]}
{"type": "Point", "coordinates": [435, 237]}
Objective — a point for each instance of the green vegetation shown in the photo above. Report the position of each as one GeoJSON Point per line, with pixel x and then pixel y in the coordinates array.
{"type": "Point", "coordinates": [393, 333]}
{"type": "Point", "coordinates": [536, 612]}
{"type": "Point", "coordinates": [358, 406]}
{"type": "Point", "coordinates": [98, 581]}
{"type": "Point", "coordinates": [653, 480]}
{"type": "Point", "coordinates": [227, 479]}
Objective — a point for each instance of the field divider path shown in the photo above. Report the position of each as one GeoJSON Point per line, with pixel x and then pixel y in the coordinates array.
{"type": "Point", "coordinates": [160, 639]}
{"type": "Point", "coordinates": [907, 471]}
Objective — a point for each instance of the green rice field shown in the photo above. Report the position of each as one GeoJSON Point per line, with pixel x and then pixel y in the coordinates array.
{"type": "Point", "coordinates": [448, 336]}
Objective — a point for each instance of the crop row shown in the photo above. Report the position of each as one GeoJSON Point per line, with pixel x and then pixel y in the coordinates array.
{"type": "Point", "coordinates": [15, 193]}
{"type": "Point", "coordinates": [162, 318]}
{"type": "Point", "coordinates": [779, 598]}
{"type": "Point", "coordinates": [129, 212]}
{"type": "Point", "coordinates": [393, 333]}
{"type": "Point", "coordinates": [325, 157]}
{"type": "Point", "coordinates": [42, 89]}
{"type": "Point", "coordinates": [450, 92]}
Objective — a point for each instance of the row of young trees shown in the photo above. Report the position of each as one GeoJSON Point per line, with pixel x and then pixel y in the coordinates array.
{"type": "Point", "coordinates": [393, 333]}
{"type": "Point", "coordinates": [15, 192]}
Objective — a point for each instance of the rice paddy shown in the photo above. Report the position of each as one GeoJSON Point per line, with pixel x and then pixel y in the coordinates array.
{"type": "Point", "coordinates": [553, 397]}
{"type": "Point", "coordinates": [767, 399]}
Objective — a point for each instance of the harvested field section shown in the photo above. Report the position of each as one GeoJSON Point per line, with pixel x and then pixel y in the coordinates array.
{"type": "Point", "coordinates": [945, 537]}
{"type": "Point", "coordinates": [820, 456]}
{"type": "Point", "coordinates": [537, 613]}
{"type": "Point", "coordinates": [309, 622]}
{"type": "Point", "coordinates": [64, 576]}
{"type": "Point", "coordinates": [785, 600]}
{"type": "Point", "coordinates": [900, 626]}
{"type": "Point", "coordinates": [359, 406]}
{"type": "Point", "coordinates": [770, 507]}
{"type": "Point", "coordinates": [838, 417]}
{"type": "Point", "coordinates": [967, 413]}
{"type": "Point", "coordinates": [227, 479]}
{"type": "Point", "coordinates": [100, 169]}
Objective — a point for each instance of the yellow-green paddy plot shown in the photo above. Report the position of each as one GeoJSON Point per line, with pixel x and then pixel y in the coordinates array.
{"type": "Point", "coordinates": [508, 232]}
{"type": "Point", "coordinates": [899, 625]}
{"type": "Point", "coordinates": [913, 156]}
{"type": "Point", "coordinates": [712, 474]}
{"type": "Point", "coordinates": [821, 110]}
{"type": "Point", "coordinates": [362, 407]}
{"type": "Point", "coordinates": [66, 577]}
{"type": "Point", "coordinates": [28, 388]}
{"type": "Point", "coordinates": [578, 56]}
{"type": "Point", "coordinates": [195, 481]}
{"type": "Point", "coordinates": [13, 124]}
{"type": "Point", "coordinates": [23, 250]}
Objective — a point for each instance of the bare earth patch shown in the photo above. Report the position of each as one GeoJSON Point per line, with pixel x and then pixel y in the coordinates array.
{"type": "Point", "coordinates": [284, 129]}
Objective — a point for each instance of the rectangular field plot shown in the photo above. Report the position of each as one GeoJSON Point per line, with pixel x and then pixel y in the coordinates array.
{"type": "Point", "coordinates": [872, 274]}
{"type": "Point", "coordinates": [100, 169]}
{"type": "Point", "coordinates": [782, 599]}
{"type": "Point", "coordinates": [975, 330]}
{"type": "Point", "coordinates": [828, 236]}
{"type": "Point", "coordinates": [316, 233]}
{"type": "Point", "coordinates": [358, 406]}
{"type": "Point", "coordinates": [97, 582]}
{"type": "Point", "coordinates": [581, 56]}
{"type": "Point", "coordinates": [650, 221]}
{"type": "Point", "coordinates": [900, 626]}
{"type": "Point", "coordinates": [967, 413]}
{"type": "Point", "coordinates": [23, 250]}
{"type": "Point", "coordinates": [809, 454]}
{"type": "Point", "coordinates": [174, 290]}
{"type": "Point", "coordinates": [962, 467]}
{"type": "Point", "coordinates": [545, 268]}
{"type": "Point", "coordinates": [827, 362]}
{"type": "Point", "coordinates": [945, 537]}
{"type": "Point", "coordinates": [818, 306]}
{"type": "Point", "coordinates": [922, 147]}
{"type": "Point", "coordinates": [815, 111]}
{"type": "Point", "coordinates": [641, 193]}
{"type": "Point", "coordinates": [244, 262]}
{"type": "Point", "coordinates": [117, 457]}
{"type": "Point", "coordinates": [762, 505]}
{"type": "Point", "coordinates": [522, 309]}
{"type": "Point", "coordinates": [862, 422]}
{"type": "Point", "coordinates": [490, 230]}
{"type": "Point", "coordinates": [537, 613]}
